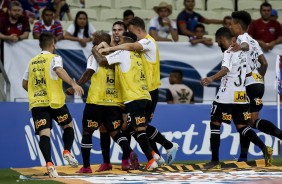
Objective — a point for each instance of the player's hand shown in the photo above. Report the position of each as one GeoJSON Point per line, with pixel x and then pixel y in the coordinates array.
{"type": "Point", "coordinates": [206, 81]}
{"type": "Point", "coordinates": [70, 91]}
{"type": "Point", "coordinates": [78, 89]}
{"type": "Point", "coordinates": [235, 47]}
{"type": "Point", "coordinates": [104, 50]}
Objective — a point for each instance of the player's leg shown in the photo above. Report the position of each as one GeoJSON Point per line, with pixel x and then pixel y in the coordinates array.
{"type": "Point", "coordinates": [63, 117]}
{"type": "Point", "coordinates": [92, 118]}
{"type": "Point", "coordinates": [43, 125]}
{"type": "Point", "coordinates": [137, 120]}
{"type": "Point", "coordinates": [241, 119]}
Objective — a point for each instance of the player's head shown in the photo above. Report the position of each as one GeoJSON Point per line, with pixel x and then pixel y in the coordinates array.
{"type": "Point", "coordinates": [101, 36]}
{"type": "Point", "coordinates": [137, 26]}
{"type": "Point", "coordinates": [118, 29]}
{"type": "Point", "coordinates": [223, 37]}
{"type": "Point", "coordinates": [47, 41]}
{"type": "Point", "coordinates": [128, 37]}
{"type": "Point", "coordinates": [128, 15]}
{"type": "Point", "coordinates": [175, 76]}
{"type": "Point", "coordinates": [240, 22]}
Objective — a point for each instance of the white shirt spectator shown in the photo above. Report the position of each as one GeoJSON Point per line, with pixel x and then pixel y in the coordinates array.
{"type": "Point", "coordinates": [163, 31]}
{"type": "Point", "coordinates": [91, 30]}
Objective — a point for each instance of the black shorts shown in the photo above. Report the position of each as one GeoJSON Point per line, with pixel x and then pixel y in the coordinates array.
{"type": "Point", "coordinates": [42, 117]}
{"type": "Point", "coordinates": [255, 93]}
{"type": "Point", "coordinates": [239, 113]}
{"type": "Point", "coordinates": [150, 108]}
{"type": "Point", "coordinates": [94, 115]}
{"type": "Point", "coordinates": [136, 111]}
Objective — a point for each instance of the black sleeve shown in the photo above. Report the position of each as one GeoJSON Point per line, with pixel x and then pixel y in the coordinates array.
{"type": "Point", "coordinates": [168, 95]}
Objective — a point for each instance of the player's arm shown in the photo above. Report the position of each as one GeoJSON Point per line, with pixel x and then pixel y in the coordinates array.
{"type": "Point", "coordinates": [263, 65]}
{"type": "Point", "coordinates": [169, 98]}
{"type": "Point", "coordinates": [102, 60]}
{"type": "Point", "coordinates": [25, 84]}
{"type": "Point", "coordinates": [126, 46]}
{"type": "Point", "coordinates": [208, 80]}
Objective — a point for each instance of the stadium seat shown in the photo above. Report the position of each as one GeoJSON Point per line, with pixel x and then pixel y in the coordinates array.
{"type": "Point", "coordinates": [174, 14]}
{"type": "Point", "coordinates": [66, 24]}
{"type": "Point", "coordinates": [219, 5]}
{"type": "Point", "coordinates": [102, 26]}
{"type": "Point", "coordinates": [183, 38]}
{"type": "Point", "coordinates": [276, 5]}
{"type": "Point", "coordinates": [129, 4]}
{"type": "Point", "coordinates": [92, 14]}
{"type": "Point", "coordinates": [149, 4]}
{"type": "Point", "coordinates": [98, 4]}
{"type": "Point", "coordinates": [210, 14]}
{"type": "Point", "coordinates": [74, 3]}
{"type": "Point", "coordinates": [111, 15]}
{"type": "Point", "coordinates": [255, 15]}
{"type": "Point", "coordinates": [212, 28]}
{"type": "Point", "coordinates": [199, 5]}
{"type": "Point", "coordinates": [250, 6]}
{"type": "Point", "coordinates": [146, 15]}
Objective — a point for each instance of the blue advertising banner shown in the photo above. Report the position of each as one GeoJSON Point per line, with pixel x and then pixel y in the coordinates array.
{"type": "Point", "coordinates": [187, 125]}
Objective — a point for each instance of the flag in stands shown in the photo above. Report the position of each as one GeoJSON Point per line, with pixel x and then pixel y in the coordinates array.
{"type": "Point", "coordinates": [279, 74]}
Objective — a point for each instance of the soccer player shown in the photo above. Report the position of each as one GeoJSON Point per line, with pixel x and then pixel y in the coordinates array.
{"type": "Point", "coordinates": [134, 91]}
{"type": "Point", "coordinates": [118, 29]}
{"type": "Point", "coordinates": [102, 107]}
{"type": "Point", "coordinates": [43, 82]}
{"type": "Point", "coordinates": [231, 100]}
{"type": "Point", "coordinates": [149, 52]}
{"type": "Point", "coordinates": [255, 82]}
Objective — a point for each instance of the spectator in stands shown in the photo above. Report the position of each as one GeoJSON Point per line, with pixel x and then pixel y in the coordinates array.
{"type": "Point", "coordinates": [128, 15]}
{"type": "Point", "coordinates": [161, 26]}
{"type": "Point", "coordinates": [82, 3]}
{"type": "Point", "coordinates": [199, 36]}
{"type": "Point", "coordinates": [81, 30]}
{"type": "Point", "coordinates": [188, 19]}
{"type": "Point", "coordinates": [29, 10]}
{"type": "Point", "coordinates": [48, 24]}
{"type": "Point", "coordinates": [4, 4]}
{"type": "Point", "coordinates": [61, 8]}
{"type": "Point", "coordinates": [14, 26]}
{"type": "Point", "coordinates": [266, 31]}
{"type": "Point", "coordinates": [274, 15]}
{"type": "Point", "coordinates": [178, 93]}
{"type": "Point", "coordinates": [227, 21]}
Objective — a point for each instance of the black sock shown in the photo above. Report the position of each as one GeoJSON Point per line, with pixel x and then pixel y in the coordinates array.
{"type": "Point", "coordinates": [128, 133]}
{"type": "Point", "coordinates": [105, 143]}
{"type": "Point", "coordinates": [45, 147]}
{"type": "Point", "coordinates": [244, 145]}
{"type": "Point", "coordinates": [154, 147]}
{"type": "Point", "coordinates": [215, 141]}
{"type": "Point", "coordinates": [267, 127]}
{"type": "Point", "coordinates": [249, 134]}
{"type": "Point", "coordinates": [86, 146]}
{"type": "Point", "coordinates": [121, 140]}
{"type": "Point", "coordinates": [68, 137]}
{"type": "Point", "coordinates": [144, 143]}
{"type": "Point", "coordinates": [154, 135]}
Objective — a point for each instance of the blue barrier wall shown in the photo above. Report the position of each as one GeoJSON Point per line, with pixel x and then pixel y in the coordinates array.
{"type": "Point", "coordinates": [188, 125]}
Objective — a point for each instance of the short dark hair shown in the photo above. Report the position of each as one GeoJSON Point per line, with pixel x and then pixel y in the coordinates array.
{"type": "Point", "coordinates": [120, 23]}
{"type": "Point", "coordinates": [47, 9]}
{"type": "Point", "coordinates": [14, 3]}
{"type": "Point", "coordinates": [200, 26]}
{"type": "Point", "coordinates": [138, 22]}
{"type": "Point", "coordinates": [130, 35]}
{"type": "Point", "coordinates": [243, 18]}
{"type": "Point", "coordinates": [265, 4]}
{"type": "Point", "coordinates": [46, 39]}
{"type": "Point", "coordinates": [178, 71]}
{"type": "Point", "coordinates": [127, 13]}
{"type": "Point", "coordinates": [224, 32]}
{"type": "Point", "coordinates": [101, 36]}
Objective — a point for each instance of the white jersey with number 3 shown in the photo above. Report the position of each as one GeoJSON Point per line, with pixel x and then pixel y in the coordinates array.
{"type": "Point", "coordinates": [232, 89]}
{"type": "Point", "coordinates": [252, 58]}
